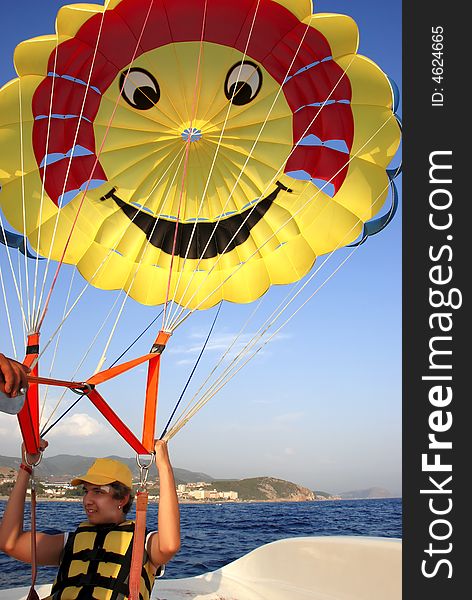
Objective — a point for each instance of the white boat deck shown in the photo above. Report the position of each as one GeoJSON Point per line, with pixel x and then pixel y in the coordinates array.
{"type": "Point", "coordinates": [315, 568]}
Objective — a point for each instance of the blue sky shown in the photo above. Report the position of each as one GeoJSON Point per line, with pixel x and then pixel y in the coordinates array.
{"type": "Point", "coordinates": [320, 405]}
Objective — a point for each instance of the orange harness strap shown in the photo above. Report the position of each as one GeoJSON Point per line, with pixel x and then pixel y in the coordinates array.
{"type": "Point", "coordinates": [138, 545]}
{"type": "Point", "coordinates": [116, 422]}
{"type": "Point", "coordinates": [119, 369]}
{"type": "Point", "coordinates": [33, 594]}
{"type": "Point", "coordinates": [28, 417]}
{"type": "Point", "coordinates": [152, 387]}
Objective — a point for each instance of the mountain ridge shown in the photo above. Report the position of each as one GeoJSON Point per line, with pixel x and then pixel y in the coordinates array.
{"type": "Point", "coordinates": [63, 467]}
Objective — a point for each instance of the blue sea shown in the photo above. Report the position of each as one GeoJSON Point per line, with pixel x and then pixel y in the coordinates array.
{"type": "Point", "coordinates": [213, 535]}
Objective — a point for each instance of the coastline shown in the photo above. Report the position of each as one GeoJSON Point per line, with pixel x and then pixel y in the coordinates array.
{"type": "Point", "coordinates": [220, 502]}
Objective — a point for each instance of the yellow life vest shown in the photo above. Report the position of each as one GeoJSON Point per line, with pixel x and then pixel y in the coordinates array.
{"type": "Point", "coordinates": [96, 564]}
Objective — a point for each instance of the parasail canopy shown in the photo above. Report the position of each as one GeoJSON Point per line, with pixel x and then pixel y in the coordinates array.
{"type": "Point", "coordinates": [194, 150]}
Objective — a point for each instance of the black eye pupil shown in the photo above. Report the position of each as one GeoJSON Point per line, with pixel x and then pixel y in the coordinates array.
{"type": "Point", "coordinates": [139, 88]}
{"type": "Point", "coordinates": [145, 97]}
{"type": "Point", "coordinates": [240, 93]}
{"type": "Point", "coordinates": [243, 82]}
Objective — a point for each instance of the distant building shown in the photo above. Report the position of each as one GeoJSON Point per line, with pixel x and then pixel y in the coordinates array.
{"type": "Point", "coordinates": [195, 491]}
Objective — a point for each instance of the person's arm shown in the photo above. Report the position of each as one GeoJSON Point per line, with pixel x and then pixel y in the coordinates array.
{"type": "Point", "coordinates": [13, 376]}
{"type": "Point", "coordinates": [16, 542]}
{"type": "Point", "coordinates": [166, 542]}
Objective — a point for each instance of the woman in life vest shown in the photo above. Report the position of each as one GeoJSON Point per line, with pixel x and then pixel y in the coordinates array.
{"type": "Point", "coordinates": [94, 560]}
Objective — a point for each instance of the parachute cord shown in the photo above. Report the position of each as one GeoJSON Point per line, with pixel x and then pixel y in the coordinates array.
{"type": "Point", "coordinates": [56, 348]}
{"type": "Point", "coordinates": [43, 182]}
{"type": "Point", "coordinates": [225, 378]}
{"type": "Point", "coordinates": [221, 359]}
{"type": "Point", "coordinates": [85, 356]}
{"type": "Point", "coordinates": [215, 155]}
{"type": "Point", "coordinates": [92, 278]}
{"type": "Point", "coordinates": [226, 375]}
{"type": "Point", "coordinates": [135, 340]}
{"type": "Point", "coordinates": [61, 261]}
{"type": "Point", "coordinates": [174, 243]}
{"type": "Point", "coordinates": [292, 217]}
{"type": "Point", "coordinates": [23, 207]}
{"type": "Point", "coordinates": [270, 184]}
{"type": "Point", "coordinates": [87, 352]}
{"type": "Point", "coordinates": [7, 311]}
{"type": "Point", "coordinates": [45, 430]}
{"type": "Point", "coordinates": [192, 372]}
{"type": "Point", "coordinates": [184, 173]}
{"type": "Point", "coordinates": [19, 294]}
{"type": "Point", "coordinates": [56, 223]}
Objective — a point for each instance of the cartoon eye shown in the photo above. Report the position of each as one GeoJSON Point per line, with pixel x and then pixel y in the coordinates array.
{"type": "Point", "coordinates": [139, 88]}
{"type": "Point", "coordinates": [243, 83]}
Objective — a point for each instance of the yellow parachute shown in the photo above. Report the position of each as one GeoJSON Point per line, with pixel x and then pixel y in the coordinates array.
{"type": "Point", "coordinates": [197, 150]}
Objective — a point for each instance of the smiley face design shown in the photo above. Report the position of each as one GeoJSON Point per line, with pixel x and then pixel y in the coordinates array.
{"type": "Point", "coordinates": [210, 148]}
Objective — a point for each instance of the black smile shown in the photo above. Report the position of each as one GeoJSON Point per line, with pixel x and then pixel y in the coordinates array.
{"type": "Point", "coordinates": [198, 240]}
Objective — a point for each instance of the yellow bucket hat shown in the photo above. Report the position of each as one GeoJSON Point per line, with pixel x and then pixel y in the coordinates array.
{"type": "Point", "coordinates": [105, 471]}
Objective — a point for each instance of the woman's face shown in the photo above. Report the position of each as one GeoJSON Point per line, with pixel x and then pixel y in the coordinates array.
{"type": "Point", "coordinates": [100, 505]}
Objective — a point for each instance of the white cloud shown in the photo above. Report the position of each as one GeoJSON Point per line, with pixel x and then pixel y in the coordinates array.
{"type": "Point", "coordinates": [9, 427]}
{"type": "Point", "coordinates": [288, 418]}
{"type": "Point", "coordinates": [79, 425]}
{"type": "Point", "coordinates": [233, 342]}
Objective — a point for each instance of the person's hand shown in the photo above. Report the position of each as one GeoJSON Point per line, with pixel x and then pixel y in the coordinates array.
{"type": "Point", "coordinates": [13, 377]}
{"type": "Point", "coordinates": [33, 459]}
{"type": "Point", "coordinates": [162, 454]}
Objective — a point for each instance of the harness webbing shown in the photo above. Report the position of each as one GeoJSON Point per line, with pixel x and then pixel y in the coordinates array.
{"type": "Point", "coordinates": [139, 540]}
{"type": "Point", "coordinates": [28, 417]}
{"type": "Point", "coordinates": [87, 388]}
{"type": "Point", "coordinates": [33, 594]}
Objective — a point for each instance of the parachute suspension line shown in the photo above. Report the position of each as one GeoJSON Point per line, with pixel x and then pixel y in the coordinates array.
{"type": "Point", "coordinates": [7, 312]}
{"type": "Point", "coordinates": [135, 340]}
{"type": "Point", "coordinates": [215, 156]}
{"type": "Point", "coordinates": [66, 178]}
{"type": "Point", "coordinates": [20, 283]}
{"type": "Point", "coordinates": [43, 182]}
{"type": "Point", "coordinates": [221, 359]}
{"type": "Point", "coordinates": [95, 274]}
{"type": "Point", "coordinates": [272, 319]}
{"type": "Point", "coordinates": [191, 373]}
{"type": "Point", "coordinates": [174, 243]}
{"type": "Point", "coordinates": [185, 167]}
{"type": "Point", "coordinates": [59, 266]}
{"type": "Point", "coordinates": [23, 207]}
{"type": "Point", "coordinates": [16, 284]}
{"type": "Point", "coordinates": [81, 362]}
{"type": "Point", "coordinates": [46, 429]}
{"type": "Point", "coordinates": [91, 280]}
{"type": "Point", "coordinates": [268, 186]}
{"type": "Point", "coordinates": [175, 325]}
{"type": "Point", "coordinates": [56, 348]}
{"type": "Point", "coordinates": [112, 332]}
{"type": "Point", "coordinates": [232, 371]}
{"type": "Point", "coordinates": [217, 222]}
{"type": "Point", "coordinates": [118, 317]}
